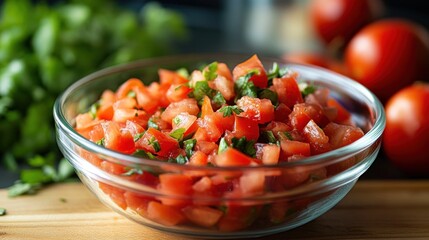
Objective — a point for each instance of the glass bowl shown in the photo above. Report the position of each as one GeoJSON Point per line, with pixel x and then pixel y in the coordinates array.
{"type": "Point", "coordinates": [294, 192]}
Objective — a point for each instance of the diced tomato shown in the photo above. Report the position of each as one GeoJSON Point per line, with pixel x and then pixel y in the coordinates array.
{"type": "Point", "coordinates": [178, 92]}
{"type": "Point", "coordinates": [207, 147]}
{"type": "Point", "coordinates": [287, 90]}
{"type": "Point", "coordinates": [83, 120]}
{"type": "Point", "coordinates": [342, 114]}
{"type": "Point", "coordinates": [158, 143]}
{"type": "Point", "coordinates": [117, 140]}
{"type": "Point", "coordinates": [202, 185]}
{"type": "Point", "coordinates": [188, 105]}
{"type": "Point", "coordinates": [113, 168]}
{"type": "Point", "coordinates": [238, 217]}
{"type": "Point", "coordinates": [123, 115]}
{"type": "Point", "coordinates": [314, 133]}
{"type": "Point", "coordinates": [232, 157]}
{"type": "Point", "coordinates": [342, 135]}
{"type": "Point", "coordinates": [163, 214]}
{"type": "Point", "coordinates": [223, 122]}
{"type": "Point", "coordinates": [303, 113]}
{"type": "Point", "coordinates": [252, 183]}
{"type": "Point", "coordinates": [270, 154]}
{"type": "Point", "coordinates": [202, 216]}
{"type": "Point", "coordinates": [130, 85]}
{"type": "Point", "coordinates": [290, 148]}
{"type": "Point", "coordinates": [206, 107]}
{"type": "Point", "coordinates": [260, 80]}
{"type": "Point", "coordinates": [138, 202]}
{"type": "Point", "coordinates": [186, 121]}
{"type": "Point", "coordinates": [115, 193]}
{"type": "Point", "coordinates": [159, 93]}
{"type": "Point", "coordinates": [245, 127]}
{"type": "Point", "coordinates": [175, 186]}
{"type": "Point", "coordinates": [225, 86]}
{"type": "Point", "coordinates": [133, 128]}
{"type": "Point", "coordinates": [199, 158]}
{"type": "Point", "coordinates": [223, 70]}
{"type": "Point", "coordinates": [259, 110]}
{"type": "Point", "coordinates": [195, 77]}
{"type": "Point", "coordinates": [145, 99]}
{"type": "Point", "coordinates": [281, 114]}
{"type": "Point", "coordinates": [167, 77]}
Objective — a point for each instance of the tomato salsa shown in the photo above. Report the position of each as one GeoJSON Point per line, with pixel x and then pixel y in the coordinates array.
{"type": "Point", "coordinates": [216, 117]}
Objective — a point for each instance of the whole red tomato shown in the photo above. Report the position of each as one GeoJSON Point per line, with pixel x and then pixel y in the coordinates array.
{"type": "Point", "coordinates": [388, 55]}
{"type": "Point", "coordinates": [406, 137]}
{"type": "Point", "coordinates": [340, 19]}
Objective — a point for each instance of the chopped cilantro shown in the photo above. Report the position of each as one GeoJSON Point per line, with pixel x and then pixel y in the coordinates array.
{"type": "Point", "coordinates": [228, 110]}
{"type": "Point", "coordinates": [218, 99]}
{"type": "Point", "coordinates": [138, 136]}
{"type": "Point", "coordinates": [181, 159]}
{"type": "Point", "coordinates": [306, 89]}
{"type": "Point", "coordinates": [152, 124]}
{"type": "Point", "coordinates": [189, 146]}
{"type": "Point", "coordinates": [178, 134]}
{"type": "Point", "coordinates": [223, 145]}
{"type": "Point", "coordinates": [276, 72]}
{"type": "Point", "coordinates": [2, 211]}
{"type": "Point", "coordinates": [155, 144]}
{"type": "Point", "coordinates": [133, 171]}
{"type": "Point", "coordinates": [202, 89]}
{"type": "Point", "coordinates": [143, 154]}
{"type": "Point", "coordinates": [269, 135]}
{"type": "Point", "coordinates": [93, 109]}
{"type": "Point", "coordinates": [244, 146]}
{"type": "Point", "coordinates": [100, 142]}
{"type": "Point", "coordinates": [183, 72]}
{"type": "Point", "coordinates": [244, 87]}
{"type": "Point", "coordinates": [288, 135]}
{"type": "Point", "coordinates": [131, 94]}
{"type": "Point", "coordinates": [210, 71]}
{"type": "Point", "coordinates": [268, 94]}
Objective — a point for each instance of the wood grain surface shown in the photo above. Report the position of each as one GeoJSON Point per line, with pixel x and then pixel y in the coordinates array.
{"type": "Point", "coordinates": [372, 210]}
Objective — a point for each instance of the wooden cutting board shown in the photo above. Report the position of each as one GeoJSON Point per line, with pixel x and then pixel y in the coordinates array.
{"type": "Point", "coordinates": [372, 210]}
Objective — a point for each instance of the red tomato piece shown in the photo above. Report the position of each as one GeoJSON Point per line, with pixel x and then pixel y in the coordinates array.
{"type": "Point", "coordinates": [259, 110]}
{"type": "Point", "coordinates": [167, 77]}
{"type": "Point", "coordinates": [287, 90]}
{"type": "Point", "coordinates": [206, 107]}
{"type": "Point", "coordinates": [163, 214]}
{"type": "Point", "coordinates": [175, 186]}
{"type": "Point", "coordinates": [303, 113]}
{"type": "Point", "coordinates": [117, 140]}
{"type": "Point", "coordinates": [342, 115]}
{"type": "Point", "coordinates": [253, 63]}
{"type": "Point", "coordinates": [245, 127]}
{"type": "Point", "coordinates": [158, 143]}
{"type": "Point", "coordinates": [232, 157]}
{"type": "Point", "coordinates": [116, 194]}
{"type": "Point", "coordinates": [178, 92]}
{"type": "Point", "coordinates": [314, 134]}
{"type": "Point", "coordinates": [342, 135]}
{"type": "Point", "coordinates": [186, 121]}
{"type": "Point", "coordinates": [202, 216]}
{"type": "Point", "coordinates": [290, 148]}
{"type": "Point", "coordinates": [281, 114]}
{"type": "Point", "coordinates": [138, 202]}
{"type": "Point", "coordinates": [188, 105]}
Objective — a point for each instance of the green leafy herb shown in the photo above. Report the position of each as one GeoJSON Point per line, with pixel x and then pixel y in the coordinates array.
{"type": "Point", "coordinates": [244, 146]}
{"type": "Point", "coordinates": [93, 109]}
{"type": "Point", "coordinates": [244, 87]}
{"type": "Point", "coordinates": [143, 154]}
{"type": "Point", "coordinates": [269, 135]}
{"type": "Point", "coordinates": [268, 94]}
{"type": "Point", "coordinates": [100, 142]}
{"type": "Point", "coordinates": [228, 110]}
{"type": "Point", "coordinates": [152, 124]}
{"type": "Point", "coordinates": [181, 159]}
{"type": "Point", "coordinates": [178, 134]}
{"type": "Point", "coordinates": [138, 136]}
{"type": "Point", "coordinates": [202, 89]}
{"type": "Point", "coordinates": [288, 135]}
{"type": "Point", "coordinates": [20, 188]}
{"type": "Point", "coordinates": [218, 99]}
{"type": "Point", "coordinates": [277, 72]}
{"type": "Point", "coordinates": [133, 171]}
{"type": "Point", "coordinates": [183, 72]}
{"type": "Point", "coordinates": [306, 89]}
{"type": "Point", "coordinates": [155, 144]}
{"type": "Point", "coordinates": [223, 145]}
{"type": "Point", "coordinates": [189, 146]}
{"type": "Point", "coordinates": [210, 72]}
{"type": "Point", "coordinates": [2, 211]}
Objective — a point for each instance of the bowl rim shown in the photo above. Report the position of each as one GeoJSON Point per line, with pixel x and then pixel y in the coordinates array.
{"type": "Point", "coordinates": [329, 157]}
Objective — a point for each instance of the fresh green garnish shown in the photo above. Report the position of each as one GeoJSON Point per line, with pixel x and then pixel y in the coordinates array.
{"type": "Point", "coordinates": [131, 94]}
{"type": "Point", "coordinates": [244, 87]}
{"type": "Point", "coordinates": [277, 72]}
{"type": "Point", "coordinates": [189, 146]}
{"type": "Point", "coordinates": [306, 89]}
{"type": "Point", "coordinates": [244, 146]}
{"type": "Point", "coordinates": [210, 73]}
{"type": "Point", "coordinates": [143, 154]}
{"type": "Point", "coordinates": [288, 135]}
{"type": "Point", "coordinates": [152, 124]}
{"type": "Point", "coordinates": [218, 99]}
{"type": "Point", "coordinates": [93, 109]}
{"type": "Point", "coordinates": [2, 211]}
{"type": "Point", "coordinates": [178, 134]}
{"type": "Point", "coordinates": [269, 135]}
{"type": "Point", "coordinates": [100, 142]}
{"type": "Point", "coordinates": [228, 110]}
{"type": "Point", "coordinates": [138, 136]}
{"type": "Point", "coordinates": [268, 94]}
{"type": "Point", "coordinates": [202, 89]}
{"type": "Point", "coordinates": [133, 171]}
{"type": "Point", "coordinates": [155, 144]}
{"type": "Point", "coordinates": [183, 72]}
{"type": "Point", "coordinates": [181, 159]}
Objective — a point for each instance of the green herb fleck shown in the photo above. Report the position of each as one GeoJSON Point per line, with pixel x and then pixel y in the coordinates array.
{"type": "Point", "coordinates": [183, 72]}
{"type": "Point", "coordinates": [269, 135]}
{"type": "Point", "coordinates": [100, 142]}
{"type": "Point", "coordinates": [218, 99]}
{"type": "Point", "coordinates": [138, 136]}
{"type": "Point", "coordinates": [277, 72]}
{"type": "Point", "coordinates": [244, 87]}
{"type": "Point", "coordinates": [181, 159]}
{"type": "Point", "coordinates": [176, 120]}
{"type": "Point", "coordinates": [288, 135]}
{"type": "Point", "coordinates": [189, 146]}
{"type": "Point", "coordinates": [306, 89]}
{"type": "Point", "coordinates": [93, 109]}
{"type": "Point", "coordinates": [178, 134]}
{"type": "Point", "coordinates": [155, 144]}
{"type": "Point", "coordinates": [143, 154]}
{"type": "Point", "coordinates": [2, 211]}
{"type": "Point", "coordinates": [228, 110]}
{"type": "Point", "coordinates": [133, 171]}
{"type": "Point", "coordinates": [268, 94]}
{"type": "Point", "coordinates": [244, 146]}
{"type": "Point", "coordinates": [131, 94]}
{"type": "Point", "coordinates": [210, 72]}
{"type": "Point", "coordinates": [202, 89]}
{"type": "Point", "coordinates": [152, 124]}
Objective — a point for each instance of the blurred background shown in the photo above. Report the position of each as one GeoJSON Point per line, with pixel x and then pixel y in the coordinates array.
{"type": "Point", "coordinates": [47, 45]}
